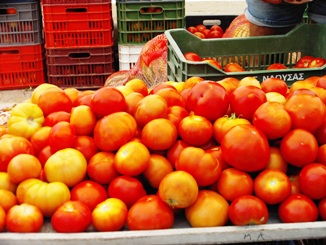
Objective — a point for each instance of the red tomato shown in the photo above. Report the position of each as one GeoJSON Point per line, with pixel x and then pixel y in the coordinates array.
{"type": "Point", "coordinates": [159, 134]}
{"type": "Point", "coordinates": [160, 86]}
{"type": "Point", "coordinates": [192, 29]}
{"type": "Point", "coordinates": [248, 210]}
{"type": "Point", "coordinates": [86, 145]}
{"type": "Point", "coordinates": [175, 114]}
{"type": "Point", "coordinates": [223, 124]}
{"type": "Point", "coordinates": [209, 210]}
{"type": "Point", "coordinates": [40, 139]}
{"type": "Point", "coordinates": [304, 61]}
{"type": "Point", "coordinates": [216, 28]}
{"type": "Point", "coordinates": [201, 165]}
{"type": "Point", "coordinates": [213, 62]}
{"type": "Point", "coordinates": [217, 153]}
{"type": "Point", "coordinates": [107, 100]}
{"type": "Point", "coordinates": [272, 186]}
{"type": "Point", "coordinates": [174, 151]}
{"type": "Point", "coordinates": [208, 99]}
{"type": "Point", "coordinates": [251, 156]}
{"type": "Point", "coordinates": [62, 135]}
{"type": "Point", "coordinates": [150, 213]}
{"type": "Point", "coordinates": [214, 34]}
{"type": "Point", "coordinates": [321, 82]}
{"type": "Point", "coordinates": [172, 97]}
{"type": "Point", "coordinates": [276, 66]}
{"type": "Point", "coordinates": [44, 154]}
{"type": "Point", "coordinates": [298, 208]}
{"type": "Point", "coordinates": [55, 117]}
{"type": "Point", "coordinates": [85, 97]}
{"type": "Point", "coordinates": [200, 35]}
{"type": "Point", "coordinates": [89, 192]}
{"type": "Point", "coordinates": [312, 181]}
{"type": "Point", "coordinates": [276, 160]}
{"type": "Point", "coordinates": [317, 62]}
{"type": "Point", "coordinates": [272, 119]}
{"type": "Point", "coordinates": [109, 215]}
{"type": "Point", "coordinates": [234, 183]}
{"type": "Point", "coordinates": [321, 157]}
{"type": "Point", "coordinates": [12, 146]}
{"type": "Point", "coordinates": [310, 116]}
{"type": "Point", "coordinates": [322, 209]}
{"type": "Point", "coordinates": [274, 84]}
{"type": "Point", "coordinates": [200, 27]}
{"type": "Point", "coordinates": [299, 147]}
{"type": "Point", "coordinates": [195, 130]}
{"type": "Point", "coordinates": [245, 100]}
{"type": "Point", "coordinates": [24, 218]}
{"type": "Point", "coordinates": [114, 130]}
{"type": "Point", "coordinates": [191, 56]}
{"type": "Point", "coordinates": [127, 189]}
{"type": "Point", "coordinates": [72, 216]}
{"type": "Point", "coordinates": [233, 67]}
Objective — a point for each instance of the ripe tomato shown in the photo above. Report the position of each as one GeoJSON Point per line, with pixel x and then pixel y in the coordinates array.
{"type": "Point", "coordinates": [159, 134]}
{"type": "Point", "coordinates": [85, 98]}
{"type": "Point", "coordinates": [8, 199]}
{"type": "Point", "coordinates": [200, 27]}
{"type": "Point", "coordinates": [251, 156]}
{"type": "Point", "coordinates": [71, 217]}
{"type": "Point", "coordinates": [245, 100]}
{"type": "Point", "coordinates": [40, 139]}
{"type": "Point", "coordinates": [195, 130]}
{"type": "Point", "coordinates": [276, 66]}
{"type": "Point", "coordinates": [61, 136]}
{"type": "Point", "coordinates": [44, 154]}
{"type": "Point", "coordinates": [172, 97]}
{"type": "Point", "coordinates": [312, 181]}
{"type": "Point", "coordinates": [100, 168]}
{"type": "Point", "coordinates": [127, 189]}
{"type": "Point", "coordinates": [150, 107]}
{"type": "Point", "coordinates": [158, 167]}
{"type": "Point", "coordinates": [209, 210]}
{"type": "Point", "coordinates": [2, 219]}
{"type": "Point", "coordinates": [272, 119]}
{"type": "Point", "coordinates": [216, 28]}
{"type": "Point", "coordinates": [150, 213]}
{"type": "Point", "coordinates": [24, 218]}
{"type": "Point", "coordinates": [72, 94]}
{"type": "Point", "coordinates": [137, 85]}
{"type": "Point", "coordinates": [83, 119]}
{"type": "Point", "coordinates": [12, 146]}
{"type": "Point", "coordinates": [86, 145]}
{"type": "Point", "coordinates": [216, 152]}
{"type": "Point", "coordinates": [248, 210]}
{"type": "Point", "coordinates": [203, 166]}
{"type": "Point", "coordinates": [192, 81]}
{"type": "Point", "coordinates": [25, 119]}
{"type": "Point", "coordinates": [55, 117]}
{"type": "Point", "coordinates": [276, 160]}
{"type": "Point", "coordinates": [114, 130]}
{"type": "Point", "coordinates": [208, 99]}
{"type": "Point", "coordinates": [132, 158]}
{"type": "Point", "coordinates": [299, 147]}
{"type": "Point", "coordinates": [40, 89]}
{"type": "Point", "coordinates": [234, 183]}
{"type": "Point", "coordinates": [322, 209]}
{"type": "Point", "coordinates": [192, 29]}
{"type": "Point", "coordinates": [109, 215]}
{"type": "Point", "coordinates": [214, 34]}
{"type": "Point", "coordinates": [213, 62]}
{"type": "Point", "coordinates": [321, 82]}
{"type": "Point", "coordinates": [160, 86]}
{"type": "Point", "coordinates": [272, 186]}
{"type": "Point", "coordinates": [304, 61]}
{"type": "Point", "coordinates": [107, 100]}
{"type": "Point", "coordinates": [310, 116]}
{"type": "Point", "coordinates": [23, 166]}
{"type": "Point", "coordinates": [174, 151]}
{"type": "Point", "coordinates": [200, 35]}
{"type": "Point", "coordinates": [317, 62]}
{"type": "Point", "coordinates": [274, 84]}
{"type": "Point", "coordinates": [233, 67]}
{"type": "Point", "coordinates": [297, 208]}
{"type": "Point", "coordinates": [89, 192]}
{"type": "Point", "coordinates": [178, 189]}
{"type": "Point", "coordinates": [191, 56]}
{"type": "Point", "coordinates": [175, 114]}
{"type": "Point", "coordinates": [67, 166]}
{"type": "Point", "coordinates": [321, 157]}
{"type": "Point", "coordinates": [132, 100]}
{"type": "Point", "coordinates": [223, 124]}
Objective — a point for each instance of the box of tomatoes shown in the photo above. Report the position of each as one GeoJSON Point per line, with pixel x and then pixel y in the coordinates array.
{"type": "Point", "coordinates": [283, 56]}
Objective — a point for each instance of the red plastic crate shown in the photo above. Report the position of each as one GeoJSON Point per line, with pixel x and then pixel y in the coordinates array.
{"type": "Point", "coordinates": [77, 25]}
{"type": "Point", "coordinates": [73, 1]}
{"type": "Point", "coordinates": [21, 66]}
{"type": "Point", "coordinates": [79, 67]}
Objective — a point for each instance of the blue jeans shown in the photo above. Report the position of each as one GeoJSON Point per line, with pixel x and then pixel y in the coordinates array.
{"type": "Point", "coordinates": [284, 15]}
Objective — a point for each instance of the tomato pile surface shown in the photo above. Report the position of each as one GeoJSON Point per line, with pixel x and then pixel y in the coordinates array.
{"type": "Point", "coordinates": [135, 158]}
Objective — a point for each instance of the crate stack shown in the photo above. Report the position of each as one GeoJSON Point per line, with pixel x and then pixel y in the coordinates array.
{"type": "Point", "coordinates": [140, 21]}
{"type": "Point", "coordinates": [21, 44]}
{"type": "Point", "coordinates": [79, 44]}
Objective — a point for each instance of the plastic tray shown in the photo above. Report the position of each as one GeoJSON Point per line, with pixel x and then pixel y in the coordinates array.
{"type": "Point", "coordinates": [73, 1]}
{"type": "Point", "coordinates": [128, 55]}
{"type": "Point", "coordinates": [255, 54]}
{"type": "Point", "coordinates": [138, 22]}
{"type": "Point", "coordinates": [79, 67]}
{"type": "Point", "coordinates": [20, 23]}
{"type": "Point", "coordinates": [82, 25]}
{"type": "Point", "coordinates": [21, 66]}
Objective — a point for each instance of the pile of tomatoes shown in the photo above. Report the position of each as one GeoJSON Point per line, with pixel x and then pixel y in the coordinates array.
{"type": "Point", "coordinates": [204, 32]}
{"type": "Point", "coordinates": [132, 158]}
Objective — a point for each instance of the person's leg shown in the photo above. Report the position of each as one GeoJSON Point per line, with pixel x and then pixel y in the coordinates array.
{"type": "Point", "coordinates": [317, 11]}
{"type": "Point", "coordinates": [269, 19]}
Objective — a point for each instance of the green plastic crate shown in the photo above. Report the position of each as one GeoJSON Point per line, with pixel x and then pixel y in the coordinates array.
{"type": "Point", "coordinates": [137, 26]}
{"type": "Point", "coordinates": [255, 54]}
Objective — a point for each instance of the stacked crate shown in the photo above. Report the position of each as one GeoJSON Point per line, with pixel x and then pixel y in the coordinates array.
{"type": "Point", "coordinates": [140, 21]}
{"type": "Point", "coordinates": [79, 42]}
{"type": "Point", "coordinates": [21, 44]}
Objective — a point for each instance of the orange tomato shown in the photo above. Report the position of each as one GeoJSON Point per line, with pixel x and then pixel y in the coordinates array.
{"type": "Point", "coordinates": [86, 145]}
{"type": "Point", "coordinates": [8, 199]}
{"type": "Point", "coordinates": [138, 85]}
{"type": "Point", "coordinates": [83, 119]}
{"type": "Point", "coordinates": [2, 219]}
{"type": "Point", "coordinates": [40, 139]}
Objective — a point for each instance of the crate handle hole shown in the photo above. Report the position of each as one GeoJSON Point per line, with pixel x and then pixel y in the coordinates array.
{"type": "Point", "coordinates": [212, 22]}
{"type": "Point", "coordinates": [12, 51]}
{"type": "Point", "coordinates": [76, 10]}
{"type": "Point", "coordinates": [8, 11]}
{"type": "Point", "coordinates": [79, 55]}
{"type": "Point", "coordinates": [151, 10]}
